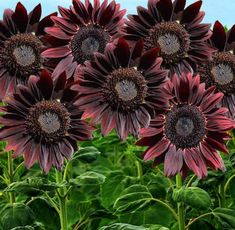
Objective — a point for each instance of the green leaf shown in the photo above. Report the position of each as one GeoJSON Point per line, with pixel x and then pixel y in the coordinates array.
{"type": "Point", "coordinates": [15, 215]}
{"type": "Point", "coordinates": [157, 185]}
{"type": "Point", "coordinates": [112, 188]}
{"type": "Point", "coordinates": [32, 186]}
{"type": "Point", "coordinates": [88, 154]}
{"type": "Point", "coordinates": [225, 216]}
{"type": "Point", "coordinates": [46, 214]}
{"type": "Point", "coordinates": [121, 226]}
{"type": "Point", "coordinates": [194, 197]}
{"type": "Point", "coordinates": [132, 199]}
{"type": "Point", "coordinates": [88, 178]}
{"type": "Point", "coordinates": [156, 214]}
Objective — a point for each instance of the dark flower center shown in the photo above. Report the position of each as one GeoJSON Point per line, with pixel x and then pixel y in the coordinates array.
{"type": "Point", "coordinates": [125, 89]}
{"type": "Point", "coordinates": [185, 126]}
{"type": "Point", "coordinates": [48, 120]}
{"type": "Point", "coordinates": [21, 55]}
{"type": "Point", "coordinates": [220, 72]}
{"type": "Point", "coordinates": [87, 41]}
{"type": "Point", "coordinates": [172, 39]}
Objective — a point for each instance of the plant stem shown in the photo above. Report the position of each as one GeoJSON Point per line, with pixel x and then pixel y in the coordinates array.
{"type": "Point", "coordinates": [196, 219]}
{"type": "Point", "coordinates": [11, 177]}
{"type": "Point", "coordinates": [167, 206]}
{"type": "Point", "coordinates": [139, 170]}
{"type": "Point", "coordinates": [180, 205]}
{"type": "Point", "coordinates": [191, 181]}
{"type": "Point", "coordinates": [222, 195]}
{"type": "Point", "coordinates": [228, 182]}
{"type": "Point", "coordinates": [62, 202]}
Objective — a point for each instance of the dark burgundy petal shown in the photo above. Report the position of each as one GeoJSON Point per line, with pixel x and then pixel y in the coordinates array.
{"type": "Point", "coordinates": [195, 162]}
{"type": "Point", "coordinates": [173, 162]}
{"type": "Point", "coordinates": [190, 13]}
{"type": "Point", "coordinates": [231, 35]}
{"type": "Point", "coordinates": [137, 50]}
{"type": "Point", "coordinates": [157, 150]}
{"type": "Point", "coordinates": [219, 36]}
{"type": "Point", "coordinates": [7, 18]}
{"type": "Point", "coordinates": [45, 22]}
{"type": "Point", "coordinates": [20, 17]}
{"type": "Point", "coordinates": [45, 84]}
{"type": "Point", "coordinates": [166, 8]}
{"type": "Point", "coordinates": [122, 52]}
{"type": "Point", "coordinates": [145, 16]}
{"type": "Point", "coordinates": [35, 15]}
{"type": "Point", "coordinates": [57, 52]}
{"type": "Point", "coordinates": [60, 82]}
{"type": "Point", "coordinates": [57, 32]}
{"type": "Point", "coordinates": [179, 5]}
{"type": "Point", "coordinates": [148, 58]}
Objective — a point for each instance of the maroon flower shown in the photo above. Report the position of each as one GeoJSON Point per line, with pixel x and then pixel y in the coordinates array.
{"type": "Point", "coordinates": [178, 32]}
{"type": "Point", "coordinates": [190, 132]}
{"type": "Point", "coordinates": [122, 88]}
{"type": "Point", "coordinates": [42, 123]}
{"type": "Point", "coordinates": [220, 70]}
{"type": "Point", "coordinates": [21, 43]}
{"type": "Point", "coordinates": [82, 30]}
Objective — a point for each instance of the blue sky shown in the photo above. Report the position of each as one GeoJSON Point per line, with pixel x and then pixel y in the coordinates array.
{"type": "Point", "coordinates": [222, 10]}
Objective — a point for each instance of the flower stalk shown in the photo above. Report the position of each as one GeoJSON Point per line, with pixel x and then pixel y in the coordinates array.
{"type": "Point", "coordinates": [180, 205]}
{"type": "Point", "coordinates": [11, 176]}
{"type": "Point", "coordinates": [62, 196]}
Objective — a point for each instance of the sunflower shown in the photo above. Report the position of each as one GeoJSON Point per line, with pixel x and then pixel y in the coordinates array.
{"type": "Point", "coordinates": [220, 70]}
{"type": "Point", "coordinates": [21, 43]}
{"type": "Point", "coordinates": [189, 133]}
{"type": "Point", "coordinates": [42, 123]}
{"type": "Point", "coordinates": [177, 31]}
{"type": "Point", "coordinates": [121, 88]}
{"type": "Point", "coordinates": [82, 30]}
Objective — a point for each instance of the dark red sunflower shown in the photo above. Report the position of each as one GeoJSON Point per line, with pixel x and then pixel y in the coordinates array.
{"type": "Point", "coordinates": [21, 44]}
{"type": "Point", "coordinates": [122, 88]}
{"type": "Point", "coordinates": [177, 31]}
{"type": "Point", "coordinates": [82, 30]}
{"type": "Point", "coordinates": [220, 70]}
{"type": "Point", "coordinates": [42, 123]}
{"type": "Point", "coordinates": [189, 133]}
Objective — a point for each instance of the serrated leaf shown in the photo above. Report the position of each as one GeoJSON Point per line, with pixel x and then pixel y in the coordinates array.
{"type": "Point", "coordinates": [88, 154]}
{"type": "Point", "coordinates": [88, 178]}
{"type": "Point", "coordinates": [15, 215]}
{"type": "Point", "coordinates": [45, 213]}
{"type": "Point", "coordinates": [111, 188]}
{"type": "Point", "coordinates": [32, 186]}
{"type": "Point", "coordinates": [193, 196]}
{"type": "Point", "coordinates": [225, 216]}
{"type": "Point", "coordinates": [122, 226]}
{"type": "Point", "coordinates": [133, 198]}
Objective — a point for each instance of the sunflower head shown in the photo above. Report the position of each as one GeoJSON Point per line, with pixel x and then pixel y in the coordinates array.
{"type": "Point", "coordinates": [81, 31]}
{"type": "Point", "coordinates": [177, 31]}
{"type": "Point", "coordinates": [42, 122]}
{"type": "Point", "coordinates": [219, 71]}
{"type": "Point", "coordinates": [189, 133]}
{"type": "Point", "coordinates": [121, 88]}
{"type": "Point", "coordinates": [21, 44]}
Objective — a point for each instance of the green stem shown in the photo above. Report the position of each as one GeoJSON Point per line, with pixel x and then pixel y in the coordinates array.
{"type": "Point", "coordinates": [167, 206]}
{"type": "Point", "coordinates": [191, 180]}
{"type": "Point", "coordinates": [196, 219]}
{"type": "Point", "coordinates": [11, 177]}
{"type": "Point", "coordinates": [222, 195]}
{"type": "Point", "coordinates": [180, 205]}
{"type": "Point", "coordinates": [228, 182]}
{"type": "Point", "coordinates": [139, 170]}
{"type": "Point", "coordinates": [62, 202]}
